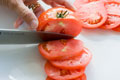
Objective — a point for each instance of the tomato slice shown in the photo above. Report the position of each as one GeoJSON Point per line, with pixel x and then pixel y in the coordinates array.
{"type": "Point", "coordinates": [60, 20]}
{"type": "Point", "coordinates": [92, 15]}
{"type": "Point", "coordinates": [61, 74]}
{"type": "Point", "coordinates": [117, 29]}
{"type": "Point", "coordinates": [74, 63]}
{"type": "Point", "coordinates": [113, 10]}
{"type": "Point", "coordinates": [78, 3]}
{"type": "Point", "coordinates": [64, 26]}
{"type": "Point", "coordinates": [83, 77]}
{"type": "Point", "coordinates": [61, 49]}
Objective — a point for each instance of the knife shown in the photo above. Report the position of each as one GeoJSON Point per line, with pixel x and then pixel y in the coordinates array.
{"type": "Point", "coordinates": [29, 37]}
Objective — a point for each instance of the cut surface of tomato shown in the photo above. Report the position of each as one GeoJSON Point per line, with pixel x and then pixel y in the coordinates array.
{"type": "Point", "coordinates": [65, 26]}
{"type": "Point", "coordinates": [60, 20]}
{"type": "Point", "coordinates": [74, 63]}
{"type": "Point", "coordinates": [83, 77]}
{"type": "Point", "coordinates": [92, 15]}
{"type": "Point", "coordinates": [61, 49]}
{"type": "Point", "coordinates": [61, 74]}
{"type": "Point", "coordinates": [78, 3]}
{"type": "Point", "coordinates": [113, 11]}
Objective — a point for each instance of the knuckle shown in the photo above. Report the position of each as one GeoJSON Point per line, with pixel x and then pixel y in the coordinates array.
{"type": "Point", "coordinates": [25, 14]}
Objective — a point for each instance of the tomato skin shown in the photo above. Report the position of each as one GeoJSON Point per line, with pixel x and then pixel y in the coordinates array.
{"type": "Point", "coordinates": [117, 29]}
{"type": "Point", "coordinates": [74, 63]}
{"type": "Point", "coordinates": [61, 49]}
{"type": "Point", "coordinates": [61, 74]}
{"type": "Point", "coordinates": [50, 16]}
{"type": "Point", "coordinates": [92, 15]}
{"type": "Point", "coordinates": [48, 78]}
{"type": "Point", "coordinates": [83, 77]}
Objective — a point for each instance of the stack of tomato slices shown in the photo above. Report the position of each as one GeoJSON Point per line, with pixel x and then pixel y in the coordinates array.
{"type": "Point", "coordinates": [67, 59]}
{"type": "Point", "coordinates": [104, 14]}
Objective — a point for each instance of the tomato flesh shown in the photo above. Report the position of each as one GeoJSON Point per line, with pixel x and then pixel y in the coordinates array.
{"type": "Point", "coordinates": [74, 63]}
{"type": "Point", "coordinates": [61, 74]}
{"type": "Point", "coordinates": [78, 3]}
{"type": "Point", "coordinates": [83, 77]}
{"type": "Point", "coordinates": [61, 49]}
{"type": "Point", "coordinates": [113, 19]}
{"type": "Point", "coordinates": [92, 15]}
{"type": "Point", "coordinates": [64, 26]}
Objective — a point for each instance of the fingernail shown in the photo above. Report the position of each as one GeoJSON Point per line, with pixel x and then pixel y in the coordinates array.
{"type": "Point", "coordinates": [34, 24]}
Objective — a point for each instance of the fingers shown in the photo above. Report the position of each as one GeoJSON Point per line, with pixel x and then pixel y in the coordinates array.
{"type": "Point", "coordinates": [51, 3]}
{"type": "Point", "coordinates": [48, 1]}
{"type": "Point", "coordinates": [28, 16]}
{"type": "Point", "coordinates": [18, 22]}
{"type": "Point", "coordinates": [55, 3]}
{"type": "Point", "coordinates": [28, 2]}
{"type": "Point", "coordinates": [38, 10]}
{"type": "Point", "coordinates": [65, 3]}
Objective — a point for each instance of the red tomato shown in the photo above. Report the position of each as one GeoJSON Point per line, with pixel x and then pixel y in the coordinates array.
{"type": "Point", "coordinates": [113, 10]}
{"type": "Point", "coordinates": [83, 77]}
{"type": "Point", "coordinates": [61, 74]}
{"type": "Point", "coordinates": [60, 20]}
{"type": "Point", "coordinates": [61, 49]}
{"type": "Point", "coordinates": [117, 29]}
{"type": "Point", "coordinates": [92, 15]}
{"type": "Point", "coordinates": [74, 63]}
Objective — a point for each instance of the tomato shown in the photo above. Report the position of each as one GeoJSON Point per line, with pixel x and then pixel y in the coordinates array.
{"type": "Point", "coordinates": [113, 11]}
{"type": "Point", "coordinates": [74, 63]}
{"type": "Point", "coordinates": [92, 15]}
{"type": "Point", "coordinates": [61, 74]}
{"type": "Point", "coordinates": [117, 29]}
{"type": "Point", "coordinates": [60, 20]}
{"type": "Point", "coordinates": [78, 3]}
{"type": "Point", "coordinates": [83, 77]}
{"type": "Point", "coordinates": [61, 49]}
{"type": "Point", "coordinates": [48, 78]}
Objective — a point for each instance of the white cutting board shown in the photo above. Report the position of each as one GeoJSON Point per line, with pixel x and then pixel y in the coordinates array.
{"type": "Point", "coordinates": [23, 62]}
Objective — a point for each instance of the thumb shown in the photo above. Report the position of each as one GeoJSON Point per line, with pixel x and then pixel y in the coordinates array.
{"type": "Point", "coordinates": [27, 15]}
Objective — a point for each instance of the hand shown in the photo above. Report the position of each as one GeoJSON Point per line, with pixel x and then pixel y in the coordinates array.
{"type": "Point", "coordinates": [30, 17]}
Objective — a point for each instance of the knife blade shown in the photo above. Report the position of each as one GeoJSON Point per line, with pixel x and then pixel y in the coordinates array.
{"type": "Point", "coordinates": [29, 37]}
